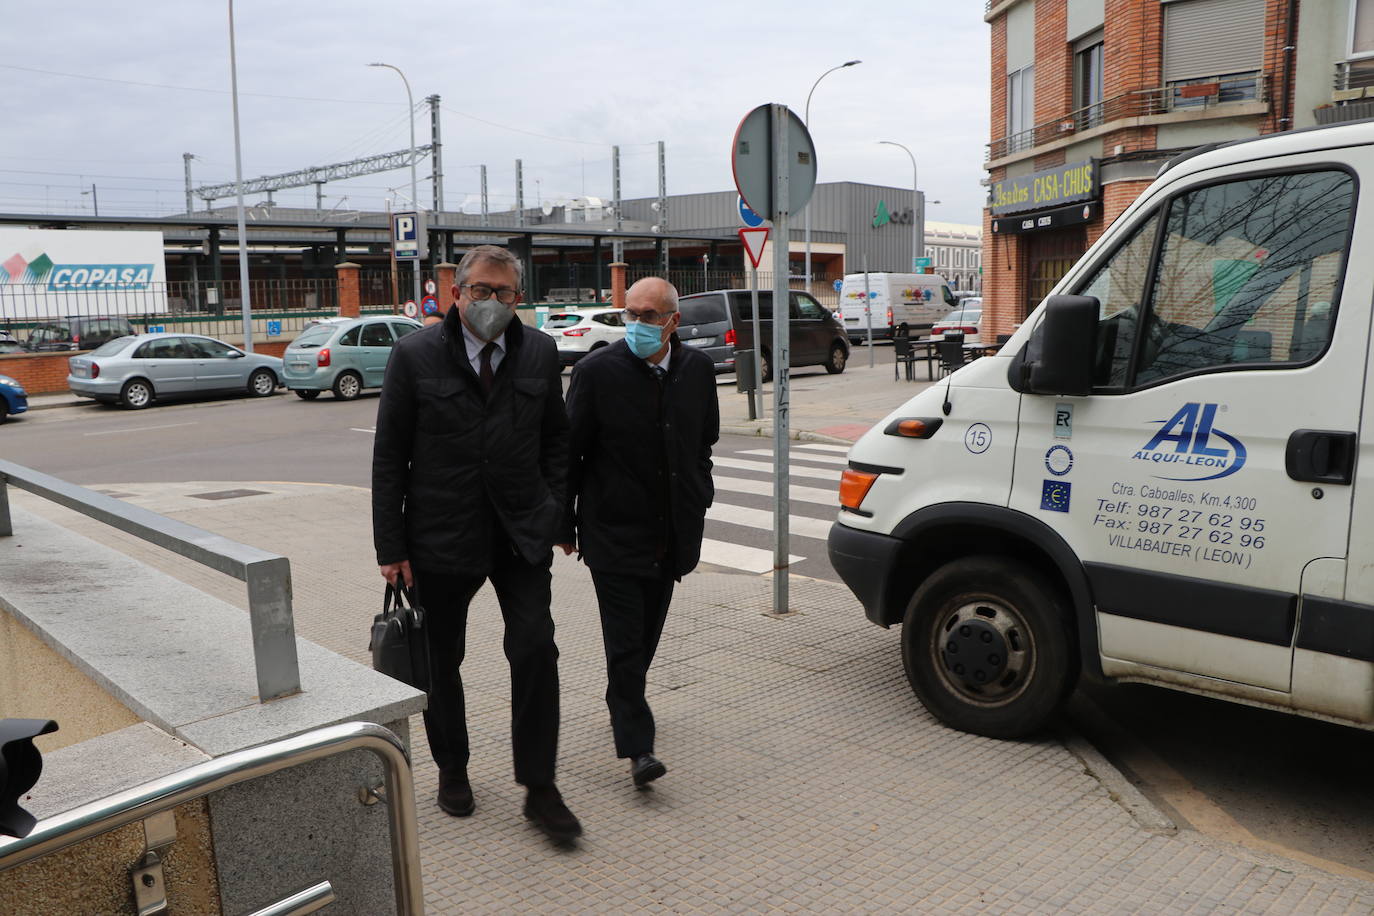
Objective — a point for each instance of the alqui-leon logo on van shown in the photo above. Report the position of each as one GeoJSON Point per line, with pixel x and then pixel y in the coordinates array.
{"type": "Point", "coordinates": [1190, 447]}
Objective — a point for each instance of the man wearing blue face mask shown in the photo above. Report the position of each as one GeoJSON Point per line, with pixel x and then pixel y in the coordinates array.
{"type": "Point", "coordinates": [644, 416]}
{"type": "Point", "coordinates": [468, 475]}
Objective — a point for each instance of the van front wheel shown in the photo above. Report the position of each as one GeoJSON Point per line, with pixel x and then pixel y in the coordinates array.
{"type": "Point", "coordinates": [987, 647]}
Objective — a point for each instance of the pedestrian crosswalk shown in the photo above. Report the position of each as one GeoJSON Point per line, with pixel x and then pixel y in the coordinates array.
{"type": "Point", "coordinates": [739, 525]}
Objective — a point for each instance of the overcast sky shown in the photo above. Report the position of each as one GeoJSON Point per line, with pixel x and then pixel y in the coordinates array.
{"type": "Point", "coordinates": [112, 94]}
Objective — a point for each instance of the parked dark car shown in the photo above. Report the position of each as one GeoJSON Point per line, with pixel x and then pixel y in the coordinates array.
{"type": "Point", "coordinates": [77, 333]}
{"type": "Point", "coordinates": [721, 322]}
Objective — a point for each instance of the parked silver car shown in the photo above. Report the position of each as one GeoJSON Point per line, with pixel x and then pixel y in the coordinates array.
{"type": "Point", "coordinates": [135, 371]}
{"type": "Point", "coordinates": [343, 356]}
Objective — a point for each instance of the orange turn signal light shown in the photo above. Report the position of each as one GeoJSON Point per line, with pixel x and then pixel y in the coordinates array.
{"type": "Point", "coordinates": [914, 427]}
{"type": "Point", "coordinates": [854, 486]}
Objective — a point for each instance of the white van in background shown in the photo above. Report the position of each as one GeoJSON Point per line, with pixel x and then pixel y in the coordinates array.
{"type": "Point", "coordinates": [916, 300]}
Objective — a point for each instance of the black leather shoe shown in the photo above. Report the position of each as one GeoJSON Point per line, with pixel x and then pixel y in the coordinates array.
{"type": "Point", "coordinates": [645, 768]}
{"type": "Point", "coordinates": [544, 805]}
{"type": "Point", "coordinates": [455, 794]}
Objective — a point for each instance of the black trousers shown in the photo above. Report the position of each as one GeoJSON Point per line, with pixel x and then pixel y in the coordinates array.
{"type": "Point", "coordinates": [632, 613]}
{"type": "Point", "coordinates": [523, 592]}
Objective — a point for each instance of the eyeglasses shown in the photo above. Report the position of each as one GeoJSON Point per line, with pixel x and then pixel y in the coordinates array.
{"type": "Point", "coordinates": [658, 318]}
{"type": "Point", "coordinates": [477, 292]}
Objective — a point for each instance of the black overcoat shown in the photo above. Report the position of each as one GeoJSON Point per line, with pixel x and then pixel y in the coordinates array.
{"type": "Point", "coordinates": [452, 469]}
{"type": "Point", "coordinates": [639, 464]}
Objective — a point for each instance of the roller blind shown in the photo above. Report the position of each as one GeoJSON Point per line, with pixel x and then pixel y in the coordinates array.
{"type": "Point", "coordinates": [1212, 37]}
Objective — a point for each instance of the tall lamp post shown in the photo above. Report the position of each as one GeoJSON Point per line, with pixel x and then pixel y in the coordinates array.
{"type": "Point", "coordinates": [806, 119]}
{"type": "Point", "coordinates": [95, 200]}
{"type": "Point", "coordinates": [414, 200]}
{"type": "Point", "coordinates": [915, 206]}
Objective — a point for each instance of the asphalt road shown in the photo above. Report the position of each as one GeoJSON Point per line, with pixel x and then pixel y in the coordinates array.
{"type": "Point", "coordinates": [1265, 780]}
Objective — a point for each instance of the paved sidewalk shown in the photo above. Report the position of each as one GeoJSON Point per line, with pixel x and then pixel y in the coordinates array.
{"type": "Point", "coordinates": [803, 774]}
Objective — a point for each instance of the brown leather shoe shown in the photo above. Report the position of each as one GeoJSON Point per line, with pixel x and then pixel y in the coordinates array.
{"type": "Point", "coordinates": [544, 805]}
{"type": "Point", "coordinates": [455, 794]}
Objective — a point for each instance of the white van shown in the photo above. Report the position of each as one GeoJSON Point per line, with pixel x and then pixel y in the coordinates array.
{"type": "Point", "coordinates": [916, 300]}
{"type": "Point", "coordinates": [1156, 479]}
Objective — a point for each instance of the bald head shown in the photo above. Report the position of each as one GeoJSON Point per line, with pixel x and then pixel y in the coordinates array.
{"type": "Point", "coordinates": [652, 293]}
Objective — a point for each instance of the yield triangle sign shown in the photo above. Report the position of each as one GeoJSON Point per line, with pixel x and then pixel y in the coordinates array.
{"type": "Point", "coordinates": [753, 241]}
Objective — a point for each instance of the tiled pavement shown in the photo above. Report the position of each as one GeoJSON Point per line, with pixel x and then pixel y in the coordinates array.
{"type": "Point", "coordinates": [803, 775]}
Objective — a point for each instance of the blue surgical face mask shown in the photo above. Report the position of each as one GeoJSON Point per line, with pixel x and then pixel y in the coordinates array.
{"type": "Point", "coordinates": [643, 339]}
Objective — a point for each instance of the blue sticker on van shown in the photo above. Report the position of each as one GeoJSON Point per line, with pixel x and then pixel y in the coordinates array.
{"type": "Point", "coordinates": [1054, 495]}
{"type": "Point", "coordinates": [1059, 460]}
{"type": "Point", "coordinates": [1189, 445]}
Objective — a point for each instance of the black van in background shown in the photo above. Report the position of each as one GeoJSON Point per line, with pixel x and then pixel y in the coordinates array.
{"type": "Point", "coordinates": [722, 321]}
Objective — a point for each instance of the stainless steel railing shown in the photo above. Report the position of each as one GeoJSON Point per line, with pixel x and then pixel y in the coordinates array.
{"type": "Point", "coordinates": [267, 575]}
{"type": "Point", "coordinates": [139, 803]}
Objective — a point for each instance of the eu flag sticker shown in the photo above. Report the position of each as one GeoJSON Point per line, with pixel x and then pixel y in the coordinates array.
{"type": "Point", "coordinates": [1054, 495]}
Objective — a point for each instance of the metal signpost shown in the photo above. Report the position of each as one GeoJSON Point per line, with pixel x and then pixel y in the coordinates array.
{"type": "Point", "coordinates": [774, 162]}
{"type": "Point", "coordinates": [868, 312]}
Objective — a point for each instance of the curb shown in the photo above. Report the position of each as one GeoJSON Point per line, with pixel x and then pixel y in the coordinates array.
{"type": "Point", "coordinates": [75, 402]}
{"type": "Point", "coordinates": [801, 435]}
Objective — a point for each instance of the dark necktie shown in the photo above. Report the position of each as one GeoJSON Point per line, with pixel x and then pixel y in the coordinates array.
{"type": "Point", "coordinates": [484, 372]}
{"type": "Point", "coordinates": [660, 373]}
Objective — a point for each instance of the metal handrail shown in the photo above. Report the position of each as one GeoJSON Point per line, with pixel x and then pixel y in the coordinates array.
{"type": "Point", "coordinates": [267, 575]}
{"type": "Point", "coordinates": [97, 817]}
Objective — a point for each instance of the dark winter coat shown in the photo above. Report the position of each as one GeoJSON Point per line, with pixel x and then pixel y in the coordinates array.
{"type": "Point", "coordinates": [639, 465]}
{"type": "Point", "coordinates": [452, 469]}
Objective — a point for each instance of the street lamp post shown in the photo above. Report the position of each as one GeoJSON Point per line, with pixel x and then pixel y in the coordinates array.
{"type": "Point", "coordinates": [95, 200]}
{"type": "Point", "coordinates": [807, 121]}
{"type": "Point", "coordinates": [414, 199]}
{"type": "Point", "coordinates": [915, 206]}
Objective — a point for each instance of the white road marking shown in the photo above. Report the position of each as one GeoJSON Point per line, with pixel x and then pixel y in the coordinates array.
{"type": "Point", "coordinates": [737, 556]}
{"type": "Point", "coordinates": [762, 519]}
{"type": "Point", "coordinates": [801, 456]}
{"type": "Point", "coordinates": [358, 429]}
{"type": "Point", "coordinates": [816, 495]}
{"type": "Point", "coordinates": [766, 467]}
{"type": "Point", "coordinates": [140, 429]}
{"type": "Point", "coordinates": [823, 447]}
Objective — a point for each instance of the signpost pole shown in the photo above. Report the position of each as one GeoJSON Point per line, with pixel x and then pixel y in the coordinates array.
{"type": "Point", "coordinates": [868, 313]}
{"type": "Point", "coordinates": [758, 336]}
{"type": "Point", "coordinates": [778, 124]}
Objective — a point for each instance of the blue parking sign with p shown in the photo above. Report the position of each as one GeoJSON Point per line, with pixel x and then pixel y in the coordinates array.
{"type": "Point", "coordinates": [407, 235]}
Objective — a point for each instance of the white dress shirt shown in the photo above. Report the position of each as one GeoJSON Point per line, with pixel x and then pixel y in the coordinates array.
{"type": "Point", "coordinates": [474, 345]}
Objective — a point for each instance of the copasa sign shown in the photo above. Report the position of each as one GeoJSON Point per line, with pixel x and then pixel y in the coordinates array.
{"type": "Point", "coordinates": [45, 272]}
{"type": "Point", "coordinates": [1066, 184]}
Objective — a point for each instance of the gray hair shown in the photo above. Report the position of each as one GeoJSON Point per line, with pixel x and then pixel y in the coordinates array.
{"type": "Point", "coordinates": [489, 254]}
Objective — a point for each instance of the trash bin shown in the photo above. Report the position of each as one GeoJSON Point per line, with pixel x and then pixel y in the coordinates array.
{"type": "Point", "coordinates": [744, 370]}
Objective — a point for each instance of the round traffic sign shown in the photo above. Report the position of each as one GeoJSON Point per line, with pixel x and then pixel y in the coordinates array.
{"type": "Point", "coordinates": [431, 287]}
{"type": "Point", "coordinates": [839, 285]}
{"type": "Point", "coordinates": [429, 306]}
{"type": "Point", "coordinates": [750, 219]}
{"type": "Point", "coordinates": [409, 308]}
{"type": "Point", "coordinates": [752, 159]}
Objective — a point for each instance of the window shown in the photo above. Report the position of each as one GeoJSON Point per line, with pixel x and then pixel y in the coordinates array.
{"type": "Point", "coordinates": [611, 319]}
{"type": "Point", "coordinates": [745, 307]}
{"type": "Point", "coordinates": [163, 348]}
{"type": "Point", "coordinates": [1117, 286]}
{"type": "Point", "coordinates": [703, 310]}
{"type": "Point", "coordinates": [350, 337]}
{"type": "Point", "coordinates": [208, 349]}
{"type": "Point", "coordinates": [1020, 109]}
{"type": "Point", "coordinates": [402, 328]}
{"type": "Point", "coordinates": [807, 308]}
{"type": "Point", "coordinates": [376, 334]}
{"type": "Point", "coordinates": [1361, 28]}
{"type": "Point", "coordinates": [1216, 47]}
{"type": "Point", "coordinates": [1087, 80]}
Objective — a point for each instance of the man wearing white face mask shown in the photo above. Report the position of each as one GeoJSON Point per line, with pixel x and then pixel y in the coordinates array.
{"type": "Point", "coordinates": [468, 477]}
{"type": "Point", "coordinates": [644, 416]}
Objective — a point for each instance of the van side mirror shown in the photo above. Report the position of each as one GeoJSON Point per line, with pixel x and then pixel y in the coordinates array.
{"type": "Point", "coordinates": [1063, 362]}
{"type": "Point", "coordinates": [20, 765]}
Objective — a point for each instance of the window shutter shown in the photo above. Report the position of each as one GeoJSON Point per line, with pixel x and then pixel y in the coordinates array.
{"type": "Point", "coordinates": [1212, 37]}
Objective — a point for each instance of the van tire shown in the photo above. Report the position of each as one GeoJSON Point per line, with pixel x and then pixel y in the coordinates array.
{"type": "Point", "coordinates": [766, 365]}
{"type": "Point", "coordinates": [1007, 606]}
{"type": "Point", "coordinates": [347, 386]}
{"type": "Point", "coordinates": [838, 356]}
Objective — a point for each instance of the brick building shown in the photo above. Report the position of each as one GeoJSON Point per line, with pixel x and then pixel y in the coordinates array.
{"type": "Point", "coordinates": [1090, 97]}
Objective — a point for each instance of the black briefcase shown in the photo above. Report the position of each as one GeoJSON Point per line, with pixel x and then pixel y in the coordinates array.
{"type": "Point", "coordinates": [398, 645]}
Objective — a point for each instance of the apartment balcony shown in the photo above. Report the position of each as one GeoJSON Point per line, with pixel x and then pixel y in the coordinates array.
{"type": "Point", "coordinates": [1222, 96]}
{"type": "Point", "coordinates": [1352, 93]}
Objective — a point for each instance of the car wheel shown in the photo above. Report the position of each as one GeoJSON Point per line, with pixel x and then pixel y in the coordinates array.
{"type": "Point", "coordinates": [262, 383]}
{"type": "Point", "coordinates": [307, 394]}
{"type": "Point", "coordinates": [597, 346]}
{"type": "Point", "coordinates": [136, 394]}
{"type": "Point", "coordinates": [835, 364]}
{"type": "Point", "coordinates": [4, 410]}
{"type": "Point", "coordinates": [987, 647]}
{"type": "Point", "coordinates": [347, 386]}
{"type": "Point", "coordinates": [766, 365]}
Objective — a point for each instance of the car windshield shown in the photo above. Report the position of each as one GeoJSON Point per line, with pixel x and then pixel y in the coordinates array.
{"type": "Point", "coordinates": [565, 320]}
{"type": "Point", "coordinates": [111, 347]}
{"type": "Point", "coordinates": [314, 337]}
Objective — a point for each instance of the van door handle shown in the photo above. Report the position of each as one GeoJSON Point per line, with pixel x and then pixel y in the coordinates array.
{"type": "Point", "coordinates": [1321, 456]}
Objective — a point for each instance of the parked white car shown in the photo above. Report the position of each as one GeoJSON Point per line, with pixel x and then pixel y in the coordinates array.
{"type": "Point", "coordinates": [578, 333]}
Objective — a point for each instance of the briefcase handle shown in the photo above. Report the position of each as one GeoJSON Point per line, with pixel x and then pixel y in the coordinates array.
{"type": "Point", "coordinates": [403, 597]}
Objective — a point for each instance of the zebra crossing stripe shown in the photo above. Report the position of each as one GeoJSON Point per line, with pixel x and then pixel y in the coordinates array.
{"type": "Point", "coordinates": [822, 447]}
{"type": "Point", "coordinates": [765, 467]}
{"type": "Point", "coordinates": [830, 498]}
{"type": "Point", "coordinates": [820, 459]}
{"type": "Point", "coordinates": [738, 556]}
{"type": "Point", "coordinates": [762, 519]}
